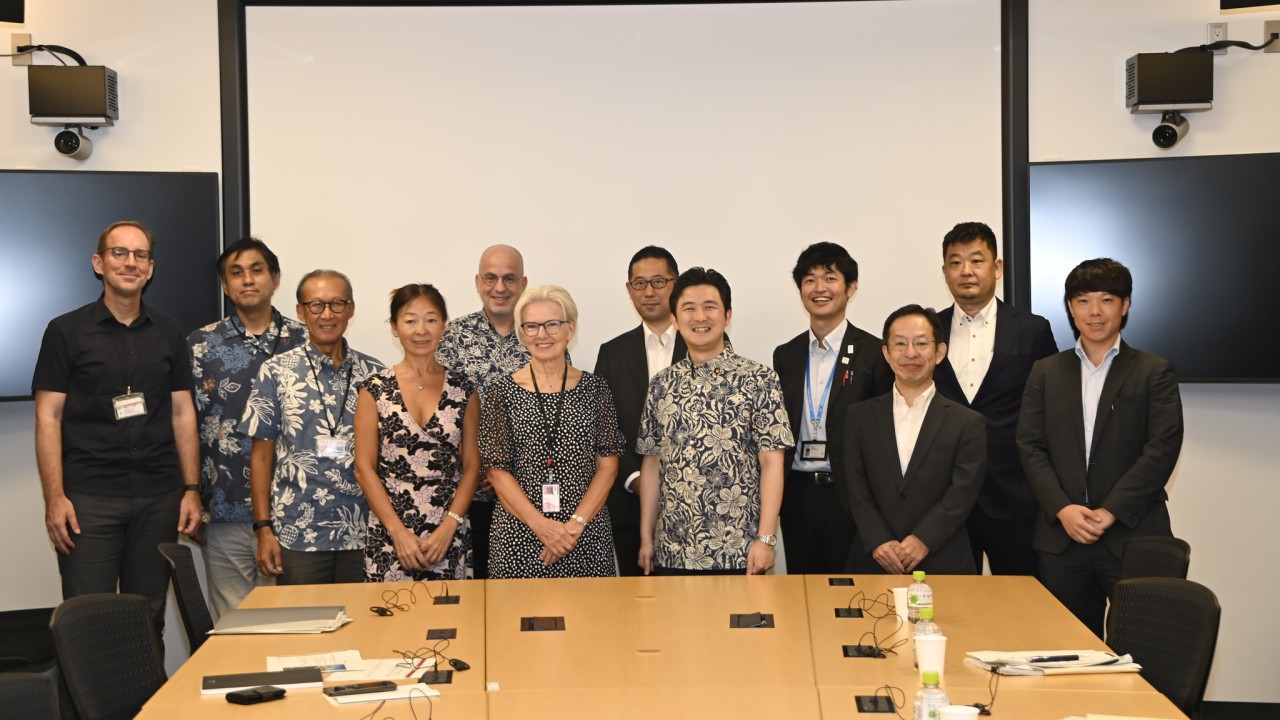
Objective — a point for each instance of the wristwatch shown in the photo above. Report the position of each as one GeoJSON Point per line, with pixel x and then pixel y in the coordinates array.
{"type": "Point", "coordinates": [770, 540]}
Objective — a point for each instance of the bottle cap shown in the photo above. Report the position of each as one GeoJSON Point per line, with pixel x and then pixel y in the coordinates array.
{"type": "Point", "coordinates": [918, 575]}
{"type": "Point", "coordinates": [929, 677]}
{"type": "Point", "coordinates": [926, 613]}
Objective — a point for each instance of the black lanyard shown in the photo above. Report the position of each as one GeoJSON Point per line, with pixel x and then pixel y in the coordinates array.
{"type": "Point", "coordinates": [277, 322]}
{"type": "Point", "coordinates": [342, 407]}
{"type": "Point", "coordinates": [552, 433]}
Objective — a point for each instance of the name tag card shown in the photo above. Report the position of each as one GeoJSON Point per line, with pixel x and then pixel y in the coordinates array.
{"type": "Point", "coordinates": [129, 405]}
{"type": "Point", "coordinates": [328, 446]}
{"type": "Point", "coordinates": [550, 497]}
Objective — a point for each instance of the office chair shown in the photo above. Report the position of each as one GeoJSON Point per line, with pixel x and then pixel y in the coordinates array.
{"type": "Point", "coordinates": [27, 695]}
{"type": "Point", "coordinates": [1170, 626]}
{"type": "Point", "coordinates": [108, 653]}
{"type": "Point", "coordinates": [186, 588]}
{"type": "Point", "coordinates": [1155, 556]}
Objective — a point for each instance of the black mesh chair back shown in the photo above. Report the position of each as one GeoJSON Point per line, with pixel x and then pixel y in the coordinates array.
{"type": "Point", "coordinates": [27, 695]}
{"type": "Point", "coordinates": [1170, 626]}
{"type": "Point", "coordinates": [186, 588]}
{"type": "Point", "coordinates": [108, 654]}
{"type": "Point", "coordinates": [1155, 556]}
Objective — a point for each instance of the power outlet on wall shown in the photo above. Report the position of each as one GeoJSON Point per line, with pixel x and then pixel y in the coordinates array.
{"type": "Point", "coordinates": [1270, 29]}
{"type": "Point", "coordinates": [1218, 32]}
{"type": "Point", "coordinates": [17, 40]}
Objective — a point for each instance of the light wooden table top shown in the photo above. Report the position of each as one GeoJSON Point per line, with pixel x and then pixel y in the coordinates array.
{"type": "Point", "coordinates": [1019, 704]}
{"type": "Point", "coordinates": [761, 703]}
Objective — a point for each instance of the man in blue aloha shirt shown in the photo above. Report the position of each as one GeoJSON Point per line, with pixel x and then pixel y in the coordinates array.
{"type": "Point", "coordinates": [225, 357]}
{"type": "Point", "coordinates": [309, 513]}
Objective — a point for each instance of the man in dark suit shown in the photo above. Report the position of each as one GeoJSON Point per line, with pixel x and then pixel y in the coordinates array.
{"type": "Point", "coordinates": [1099, 436]}
{"type": "Point", "coordinates": [914, 459]}
{"type": "Point", "coordinates": [627, 362]}
{"type": "Point", "coordinates": [823, 370]}
{"type": "Point", "coordinates": [991, 349]}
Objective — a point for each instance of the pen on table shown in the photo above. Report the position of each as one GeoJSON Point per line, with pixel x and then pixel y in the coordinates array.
{"type": "Point", "coordinates": [1053, 658]}
{"type": "Point", "coordinates": [417, 667]}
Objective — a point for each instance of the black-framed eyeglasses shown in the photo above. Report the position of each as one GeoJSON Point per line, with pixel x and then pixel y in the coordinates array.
{"type": "Point", "coordinates": [120, 253]}
{"type": "Point", "coordinates": [639, 284]}
{"type": "Point", "coordinates": [920, 344]}
{"type": "Point", "coordinates": [316, 307]}
{"type": "Point", "coordinates": [552, 326]}
{"type": "Point", "coordinates": [489, 279]}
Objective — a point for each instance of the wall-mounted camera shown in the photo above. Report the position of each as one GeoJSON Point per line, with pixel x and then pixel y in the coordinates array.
{"type": "Point", "coordinates": [1170, 84]}
{"type": "Point", "coordinates": [73, 144]}
{"type": "Point", "coordinates": [1172, 128]}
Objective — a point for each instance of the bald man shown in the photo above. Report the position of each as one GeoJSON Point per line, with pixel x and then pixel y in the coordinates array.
{"type": "Point", "coordinates": [484, 347]}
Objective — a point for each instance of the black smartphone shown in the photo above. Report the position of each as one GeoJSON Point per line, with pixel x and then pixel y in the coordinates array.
{"type": "Point", "coordinates": [360, 688]}
{"type": "Point", "coordinates": [253, 696]}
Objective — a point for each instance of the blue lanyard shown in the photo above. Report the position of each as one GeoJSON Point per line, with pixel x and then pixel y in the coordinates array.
{"type": "Point", "coordinates": [816, 419]}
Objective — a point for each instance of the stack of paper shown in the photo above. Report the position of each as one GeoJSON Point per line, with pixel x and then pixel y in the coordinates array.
{"type": "Point", "coordinates": [251, 621]}
{"type": "Point", "coordinates": [1051, 662]}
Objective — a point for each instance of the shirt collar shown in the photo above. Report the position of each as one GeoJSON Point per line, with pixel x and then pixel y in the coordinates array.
{"type": "Point", "coordinates": [925, 397]}
{"type": "Point", "coordinates": [101, 312]}
{"type": "Point", "coordinates": [323, 359]}
{"type": "Point", "coordinates": [1084, 357]}
{"type": "Point", "coordinates": [663, 340]}
{"type": "Point", "coordinates": [832, 340]}
{"type": "Point", "coordinates": [986, 313]}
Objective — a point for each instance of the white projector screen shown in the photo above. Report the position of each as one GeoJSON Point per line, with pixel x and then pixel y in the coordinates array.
{"type": "Point", "coordinates": [395, 143]}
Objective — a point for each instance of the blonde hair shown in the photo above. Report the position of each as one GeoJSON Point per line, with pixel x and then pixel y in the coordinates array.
{"type": "Point", "coordinates": [552, 293]}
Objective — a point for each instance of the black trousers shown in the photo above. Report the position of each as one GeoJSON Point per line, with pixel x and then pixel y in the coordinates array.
{"type": "Point", "coordinates": [481, 516]}
{"type": "Point", "coordinates": [817, 534]}
{"type": "Point", "coordinates": [1006, 543]}
{"type": "Point", "coordinates": [1082, 578]}
{"type": "Point", "coordinates": [321, 568]}
{"type": "Point", "coordinates": [116, 548]}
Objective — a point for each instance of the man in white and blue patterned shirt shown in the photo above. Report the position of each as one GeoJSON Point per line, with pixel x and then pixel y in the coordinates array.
{"type": "Point", "coordinates": [714, 431]}
{"type": "Point", "coordinates": [225, 357]}
{"type": "Point", "coordinates": [309, 512]}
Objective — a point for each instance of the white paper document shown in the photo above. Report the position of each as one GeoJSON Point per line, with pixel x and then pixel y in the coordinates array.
{"type": "Point", "coordinates": [1051, 662]}
{"type": "Point", "coordinates": [382, 669]}
{"type": "Point", "coordinates": [415, 690]}
{"type": "Point", "coordinates": [327, 662]}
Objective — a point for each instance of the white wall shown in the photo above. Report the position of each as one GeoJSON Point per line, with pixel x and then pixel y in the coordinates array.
{"type": "Point", "coordinates": [166, 55]}
{"type": "Point", "coordinates": [1224, 492]}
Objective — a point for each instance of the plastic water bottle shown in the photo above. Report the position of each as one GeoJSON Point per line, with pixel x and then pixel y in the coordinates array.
{"type": "Point", "coordinates": [926, 626]}
{"type": "Point", "coordinates": [919, 596]}
{"type": "Point", "coordinates": [930, 698]}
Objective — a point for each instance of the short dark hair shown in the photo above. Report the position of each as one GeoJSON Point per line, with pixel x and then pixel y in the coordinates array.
{"type": "Point", "coordinates": [242, 245]}
{"type": "Point", "coordinates": [655, 253]}
{"type": "Point", "coordinates": [700, 276]}
{"type": "Point", "coordinates": [967, 232]}
{"type": "Point", "coordinates": [829, 256]}
{"type": "Point", "coordinates": [1098, 275]}
{"type": "Point", "coordinates": [402, 296]}
{"type": "Point", "coordinates": [325, 273]}
{"type": "Point", "coordinates": [928, 313]}
{"type": "Point", "coordinates": [102, 239]}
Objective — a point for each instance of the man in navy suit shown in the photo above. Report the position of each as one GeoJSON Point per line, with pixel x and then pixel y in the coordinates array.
{"type": "Point", "coordinates": [627, 362]}
{"type": "Point", "coordinates": [914, 460]}
{"type": "Point", "coordinates": [991, 348]}
{"type": "Point", "coordinates": [1099, 436]}
{"type": "Point", "coordinates": [823, 370]}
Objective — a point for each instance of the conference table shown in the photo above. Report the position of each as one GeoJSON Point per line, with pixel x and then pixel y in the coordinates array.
{"type": "Point", "coordinates": [668, 647]}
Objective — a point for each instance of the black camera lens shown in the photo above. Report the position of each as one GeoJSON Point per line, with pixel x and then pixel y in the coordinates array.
{"type": "Point", "coordinates": [67, 142]}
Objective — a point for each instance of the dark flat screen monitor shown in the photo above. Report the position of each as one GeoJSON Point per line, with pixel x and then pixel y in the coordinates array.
{"type": "Point", "coordinates": [1202, 238]}
{"type": "Point", "coordinates": [49, 227]}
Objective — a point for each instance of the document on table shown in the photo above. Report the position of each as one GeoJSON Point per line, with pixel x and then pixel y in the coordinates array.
{"type": "Point", "coordinates": [1040, 662]}
{"type": "Point", "coordinates": [327, 662]}
{"type": "Point", "coordinates": [412, 690]}
{"type": "Point", "coordinates": [347, 666]}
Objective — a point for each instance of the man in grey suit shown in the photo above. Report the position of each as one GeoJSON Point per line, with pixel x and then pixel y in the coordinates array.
{"type": "Point", "coordinates": [1099, 436]}
{"type": "Point", "coordinates": [914, 460]}
{"type": "Point", "coordinates": [626, 363]}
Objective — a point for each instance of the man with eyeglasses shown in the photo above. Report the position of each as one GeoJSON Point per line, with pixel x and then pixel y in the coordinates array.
{"type": "Point", "coordinates": [309, 513]}
{"type": "Point", "coordinates": [225, 358]}
{"type": "Point", "coordinates": [483, 346]}
{"type": "Point", "coordinates": [628, 362]}
{"type": "Point", "coordinates": [116, 431]}
{"type": "Point", "coordinates": [823, 371]}
{"type": "Point", "coordinates": [914, 460]}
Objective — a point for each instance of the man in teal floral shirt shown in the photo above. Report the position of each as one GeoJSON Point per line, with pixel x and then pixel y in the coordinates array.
{"type": "Point", "coordinates": [309, 513]}
{"type": "Point", "coordinates": [225, 357]}
{"type": "Point", "coordinates": [714, 432]}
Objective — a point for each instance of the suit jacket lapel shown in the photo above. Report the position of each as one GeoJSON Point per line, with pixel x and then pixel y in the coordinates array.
{"type": "Point", "coordinates": [844, 364]}
{"type": "Point", "coordinates": [1121, 367]}
{"type": "Point", "coordinates": [797, 358]}
{"type": "Point", "coordinates": [933, 422]}
{"type": "Point", "coordinates": [1069, 376]}
{"type": "Point", "coordinates": [1001, 347]}
{"type": "Point", "coordinates": [887, 430]}
{"type": "Point", "coordinates": [945, 368]}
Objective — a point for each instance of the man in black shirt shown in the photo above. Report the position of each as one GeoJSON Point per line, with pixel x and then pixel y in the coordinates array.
{"type": "Point", "coordinates": [116, 432]}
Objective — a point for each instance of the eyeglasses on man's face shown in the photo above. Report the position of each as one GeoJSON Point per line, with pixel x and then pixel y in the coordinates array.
{"type": "Point", "coordinates": [120, 253]}
{"type": "Point", "coordinates": [489, 279]}
{"type": "Point", "coordinates": [316, 307]}
{"type": "Point", "coordinates": [920, 345]}
{"type": "Point", "coordinates": [639, 284]}
{"type": "Point", "coordinates": [552, 326]}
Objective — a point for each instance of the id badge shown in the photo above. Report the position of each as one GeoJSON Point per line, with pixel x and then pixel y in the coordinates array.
{"type": "Point", "coordinates": [813, 450]}
{"type": "Point", "coordinates": [129, 405]}
{"type": "Point", "coordinates": [328, 446]}
{"type": "Point", "coordinates": [550, 497]}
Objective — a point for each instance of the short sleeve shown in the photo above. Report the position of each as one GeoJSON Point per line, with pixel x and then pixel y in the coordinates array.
{"type": "Point", "coordinates": [770, 426]}
{"type": "Point", "coordinates": [262, 413]}
{"type": "Point", "coordinates": [447, 350]}
{"type": "Point", "coordinates": [648, 435]}
{"type": "Point", "coordinates": [53, 371]}
{"type": "Point", "coordinates": [609, 439]}
{"type": "Point", "coordinates": [180, 376]}
{"type": "Point", "coordinates": [495, 429]}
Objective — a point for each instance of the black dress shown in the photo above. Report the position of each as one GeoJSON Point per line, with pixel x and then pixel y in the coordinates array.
{"type": "Point", "coordinates": [514, 437]}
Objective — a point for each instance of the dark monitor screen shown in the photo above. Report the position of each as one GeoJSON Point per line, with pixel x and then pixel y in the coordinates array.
{"type": "Point", "coordinates": [49, 228]}
{"type": "Point", "coordinates": [1202, 238]}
